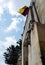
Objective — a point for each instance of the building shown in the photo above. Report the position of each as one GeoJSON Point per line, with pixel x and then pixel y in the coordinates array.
{"type": "Point", "coordinates": [33, 42]}
{"type": "Point", "coordinates": [20, 59]}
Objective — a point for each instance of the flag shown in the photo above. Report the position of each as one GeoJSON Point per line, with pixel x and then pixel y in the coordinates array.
{"type": "Point", "coordinates": [24, 10]}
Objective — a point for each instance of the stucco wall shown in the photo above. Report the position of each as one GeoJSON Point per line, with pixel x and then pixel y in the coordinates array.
{"type": "Point", "coordinates": [40, 5]}
{"type": "Point", "coordinates": [35, 48]}
{"type": "Point", "coordinates": [24, 49]}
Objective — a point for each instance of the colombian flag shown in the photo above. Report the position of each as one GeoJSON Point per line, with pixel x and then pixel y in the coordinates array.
{"type": "Point", "coordinates": [24, 10]}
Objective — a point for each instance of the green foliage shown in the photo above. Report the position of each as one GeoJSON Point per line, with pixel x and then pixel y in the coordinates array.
{"type": "Point", "coordinates": [20, 43]}
{"type": "Point", "coordinates": [11, 56]}
{"type": "Point", "coordinates": [12, 53]}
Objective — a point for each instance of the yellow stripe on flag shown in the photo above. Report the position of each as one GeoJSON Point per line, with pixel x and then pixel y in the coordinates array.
{"type": "Point", "coordinates": [22, 9]}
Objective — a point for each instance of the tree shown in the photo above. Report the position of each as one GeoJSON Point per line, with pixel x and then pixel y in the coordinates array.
{"type": "Point", "coordinates": [20, 43]}
{"type": "Point", "coordinates": [11, 56]}
{"type": "Point", "coordinates": [12, 53]}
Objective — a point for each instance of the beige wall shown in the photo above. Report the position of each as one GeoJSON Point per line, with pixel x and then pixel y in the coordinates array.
{"type": "Point", "coordinates": [19, 60]}
{"type": "Point", "coordinates": [35, 48]}
{"type": "Point", "coordinates": [40, 5]}
{"type": "Point", "coordinates": [24, 50]}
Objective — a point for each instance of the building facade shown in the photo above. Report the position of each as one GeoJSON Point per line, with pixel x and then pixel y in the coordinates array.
{"type": "Point", "coordinates": [33, 42]}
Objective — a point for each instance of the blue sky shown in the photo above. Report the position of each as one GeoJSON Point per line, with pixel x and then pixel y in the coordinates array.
{"type": "Point", "coordinates": [11, 24]}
